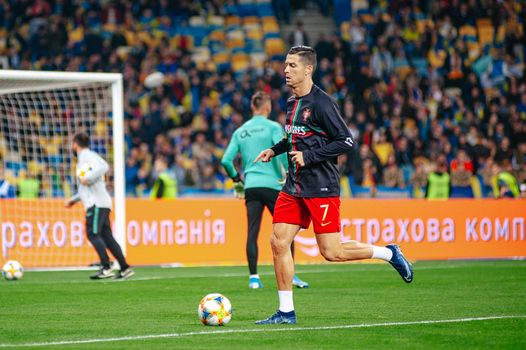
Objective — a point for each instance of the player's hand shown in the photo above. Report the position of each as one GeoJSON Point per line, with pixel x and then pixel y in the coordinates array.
{"type": "Point", "coordinates": [85, 182]}
{"type": "Point", "coordinates": [239, 190]}
{"type": "Point", "coordinates": [69, 203]}
{"type": "Point", "coordinates": [265, 156]}
{"type": "Point", "coordinates": [297, 157]}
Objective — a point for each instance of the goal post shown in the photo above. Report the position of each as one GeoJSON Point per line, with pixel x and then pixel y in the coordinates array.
{"type": "Point", "coordinates": [39, 114]}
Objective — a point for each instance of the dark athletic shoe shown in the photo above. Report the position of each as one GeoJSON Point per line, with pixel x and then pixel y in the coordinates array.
{"type": "Point", "coordinates": [400, 263]}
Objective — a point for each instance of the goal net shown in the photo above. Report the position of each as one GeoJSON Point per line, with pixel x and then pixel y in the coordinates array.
{"type": "Point", "coordinates": [39, 114]}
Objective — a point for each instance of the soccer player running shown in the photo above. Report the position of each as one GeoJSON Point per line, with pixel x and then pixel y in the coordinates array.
{"type": "Point", "coordinates": [262, 181]}
{"type": "Point", "coordinates": [316, 135]}
{"type": "Point", "coordinates": [97, 202]}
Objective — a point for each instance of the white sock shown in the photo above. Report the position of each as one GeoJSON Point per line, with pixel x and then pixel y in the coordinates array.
{"type": "Point", "coordinates": [382, 253]}
{"type": "Point", "coordinates": [254, 276]}
{"type": "Point", "coordinates": [285, 301]}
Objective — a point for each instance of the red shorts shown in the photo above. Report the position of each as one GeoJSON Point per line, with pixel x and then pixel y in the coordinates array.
{"type": "Point", "coordinates": [323, 211]}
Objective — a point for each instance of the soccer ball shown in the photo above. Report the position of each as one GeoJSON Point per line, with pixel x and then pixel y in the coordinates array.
{"type": "Point", "coordinates": [215, 310]}
{"type": "Point", "coordinates": [12, 270]}
{"type": "Point", "coordinates": [83, 170]}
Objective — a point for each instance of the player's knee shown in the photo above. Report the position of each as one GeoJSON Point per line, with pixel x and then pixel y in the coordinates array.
{"type": "Point", "coordinates": [278, 245]}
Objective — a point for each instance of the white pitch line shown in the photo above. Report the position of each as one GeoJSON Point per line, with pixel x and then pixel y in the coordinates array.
{"type": "Point", "coordinates": [233, 274]}
{"type": "Point", "coordinates": [262, 329]}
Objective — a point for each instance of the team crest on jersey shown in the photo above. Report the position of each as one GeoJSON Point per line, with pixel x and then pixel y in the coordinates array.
{"type": "Point", "coordinates": [306, 114]}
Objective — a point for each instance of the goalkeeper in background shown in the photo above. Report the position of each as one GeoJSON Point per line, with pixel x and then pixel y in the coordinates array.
{"type": "Point", "coordinates": [97, 201]}
{"type": "Point", "coordinates": [262, 182]}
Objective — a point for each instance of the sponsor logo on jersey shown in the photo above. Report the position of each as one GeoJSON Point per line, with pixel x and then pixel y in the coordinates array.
{"type": "Point", "coordinates": [295, 130]}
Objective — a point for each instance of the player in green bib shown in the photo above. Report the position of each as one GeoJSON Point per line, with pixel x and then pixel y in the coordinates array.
{"type": "Point", "coordinates": [262, 181]}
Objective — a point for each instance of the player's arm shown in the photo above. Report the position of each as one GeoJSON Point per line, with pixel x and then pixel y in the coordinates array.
{"type": "Point", "coordinates": [99, 167]}
{"type": "Point", "coordinates": [269, 153]}
{"type": "Point", "coordinates": [277, 137]}
{"type": "Point", "coordinates": [339, 135]}
{"type": "Point", "coordinates": [228, 158]}
{"type": "Point", "coordinates": [72, 201]}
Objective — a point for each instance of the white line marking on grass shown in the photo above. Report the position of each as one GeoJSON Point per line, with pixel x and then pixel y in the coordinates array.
{"type": "Point", "coordinates": [137, 278]}
{"type": "Point", "coordinates": [261, 329]}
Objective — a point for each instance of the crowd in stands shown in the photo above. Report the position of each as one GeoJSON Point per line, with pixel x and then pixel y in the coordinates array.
{"type": "Point", "coordinates": [415, 80]}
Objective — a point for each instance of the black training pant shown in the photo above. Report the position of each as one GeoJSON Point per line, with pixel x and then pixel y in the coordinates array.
{"type": "Point", "coordinates": [98, 228]}
{"type": "Point", "coordinates": [256, 199]}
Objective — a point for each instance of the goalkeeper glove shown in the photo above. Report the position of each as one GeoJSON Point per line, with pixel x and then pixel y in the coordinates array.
{"type": "Point", "coordinates": [239, 190]}
{"type": "Point", "coordinates": [239, 187]}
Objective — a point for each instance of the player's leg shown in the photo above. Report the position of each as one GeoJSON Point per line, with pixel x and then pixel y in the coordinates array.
{"type": "Point", "coordinates": [113, 246]}
{"type": "Point", "coordinates": [270, 197]}
{"type": "Point", "coordinates": [325, 214]}
{"type": "Point", "coordinates": [332, 249]}
{"type": "Point", "coordinates": [93, 231]}
{"type": "Point", "coordinates": [254, 207]}
{"type": "Point", "coordinates": [289, 216]}
{"type": "Point", "coordinates": [282, 236]}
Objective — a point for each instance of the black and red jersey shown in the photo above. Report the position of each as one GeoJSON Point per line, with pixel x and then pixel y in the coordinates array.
{"type": "Point", "coordinates": [315, 127]}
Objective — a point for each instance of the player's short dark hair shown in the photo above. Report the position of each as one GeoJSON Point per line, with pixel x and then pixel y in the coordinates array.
{"type": "Point", "coordinates": [81, 139]}
{"type": "Point", "coordinates": [307, 54]}
{"type": "Point", "coordinates": [259, 99]}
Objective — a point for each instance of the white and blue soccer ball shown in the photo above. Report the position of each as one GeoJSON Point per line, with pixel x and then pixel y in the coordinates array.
{"type": "Point", "coordinates": [215, 310]}
{"type": "Point", "coordinates": [12, 270]}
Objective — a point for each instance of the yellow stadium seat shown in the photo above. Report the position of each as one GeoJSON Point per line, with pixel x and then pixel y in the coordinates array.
{"type": "Point", "coordinates": [217, 35]}
{"type": "Point", "coordinates": [233, 21]}
{"type": "Point", "coordinates": [240, 62]}
{"type": "Point", "coordinates": [221, 57]}
{"type": "Point", "coordinates": [250, 20]}
{"type": "Point", "coordinates": [270, 26]}
{"type": "Point", "coordinates": [274, 46]}
{"type": "Point", "coordinates": [254, 33]}
{"type": "Point", "coordinates": [235, 39]}
{"type": "Point", "coordinates": [467, 30]}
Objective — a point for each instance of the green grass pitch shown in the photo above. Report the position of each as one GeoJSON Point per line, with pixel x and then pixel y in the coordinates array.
{"type": "Point", "coordinates": [361, 306]}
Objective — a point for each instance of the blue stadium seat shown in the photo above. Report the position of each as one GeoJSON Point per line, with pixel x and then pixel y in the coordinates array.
{"type": "Point", "coordinates": [247, 8]}
{"type": "Point", "coordinates": [461, 192]}
{"type": "Point", "coordinates": [265, 9]}
{"type": "Point", "coordinates": [342, 11]}
{"type": "Point", "coordinates": [15, 167]}
{"type": "Point", "coordinates": [392, 192]}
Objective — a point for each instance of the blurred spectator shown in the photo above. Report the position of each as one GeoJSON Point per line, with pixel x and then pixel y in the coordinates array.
{"type": "Point", "coordinates": [131, 172]}
{"type": "Point", "coordinates": [461, 169]}
{"type": "Point", "coordinates": [6, 189]}
{"type": "Point", "coordinates": [439, 181]}
{"type": "Point", "coordinates": [299, 36]}
{"type": "Point", "coordinates": [382, 148]}
{"type": "Point", "coordinates": [28, 187]}
{"type": "Point", "coordinates": [370, 176]}
{"type": "Point", "coordinates": [393, 175]}
{"type": "Point", "coordinates": [164, 186]}
{"type": "Point", "coordinates": [208, 178]}
{"type": "Point", "coordinates": [503, 182]}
